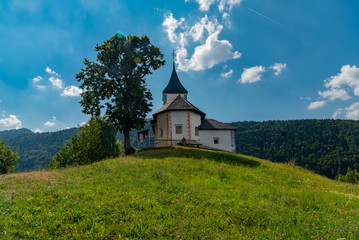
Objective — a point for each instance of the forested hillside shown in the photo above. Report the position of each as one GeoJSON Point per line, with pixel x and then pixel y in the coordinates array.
{"type": "Point", "coordinates": [327, 147]}
{"type": "Point", "coordinates": [35, 149]}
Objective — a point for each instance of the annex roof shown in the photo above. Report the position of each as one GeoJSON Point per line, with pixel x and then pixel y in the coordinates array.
{"type": "Point", "coordinates": [174, 85]}
{"type": "Point", "coordinates": [178, 103]}
{"type": "Point", "coordinates": [211, 124]}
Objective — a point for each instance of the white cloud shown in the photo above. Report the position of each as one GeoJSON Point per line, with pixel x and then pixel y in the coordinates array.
{"type": "Point", "coordinates": [171, 24]}
{"type": "Point", "coordinates": [253, 74]}
{"type": "Point", "coordinates": [82, 124]}
{"type": "Point", "coordinates": [351, 112]}
{"type": "Point", "coordinates": [335, 93]}
{"type": "Point", "coordinates": [223, 5]}
{"type": "Point", "coordinates": [227, 74]}
{"type": "Point", "coordinates": [211, 50]}
{"type": "Point", "coordinates": [278, 68]}
{"type": "Point", "coordinates": [317, 104]}
{"type": "Point", "coordinates": [38, 130]}
{"type": "Point", "coordinates": [56, 82]}
{"type": "Point", "coordinates": [37, 79]}
{"type": "Point", "coordinates": [71, 91]}
{"type": "Point", "coordinates": [49, 71]}
{"type": "Point", "coordinates": [50, 123]}
{"type": "Point", "coordinates": [11, 122]}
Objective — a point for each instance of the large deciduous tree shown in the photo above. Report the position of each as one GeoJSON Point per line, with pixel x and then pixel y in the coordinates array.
{"type": "Point", "coordinates": [115, 83]}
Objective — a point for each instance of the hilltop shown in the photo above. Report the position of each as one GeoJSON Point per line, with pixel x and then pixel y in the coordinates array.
{"type": "Point", "coordinates": [178, 193]}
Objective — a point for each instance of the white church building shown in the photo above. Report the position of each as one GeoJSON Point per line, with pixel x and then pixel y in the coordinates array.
{"type": "Point", "coordinates": [179, 122]}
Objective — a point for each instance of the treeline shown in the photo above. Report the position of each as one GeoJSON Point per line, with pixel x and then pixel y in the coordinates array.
{"type": "Point", "coordinates": [327, 147]}
{"type": "Point", "coordinates": [35, 150]}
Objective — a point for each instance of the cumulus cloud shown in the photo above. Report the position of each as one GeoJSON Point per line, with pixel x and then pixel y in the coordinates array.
{"type": "Point", "coordinates": [343, 86]}
{"type": "Point", "coordinates": [278, 68]}
{"type": "Point", "coordinates": [227, 74]}
{"type": "Point", "coordinates": [317, 104]}
{"type": "Point", "coordinates": [210, 52]}
{"type": "Point", "coordinates": [50, 123]}
{"type": "Point", "coordinates": [10, 122]}
{"type": "Point", "coordinates": [56, 82]}
{"type": "Point", "coordinates": [253, 74]}
{"type": "Point", "coordinates": [71, 91]}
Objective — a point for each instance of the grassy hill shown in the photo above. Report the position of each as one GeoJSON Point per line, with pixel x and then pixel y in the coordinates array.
{"type": "Point", "coordinates": [178, 193]}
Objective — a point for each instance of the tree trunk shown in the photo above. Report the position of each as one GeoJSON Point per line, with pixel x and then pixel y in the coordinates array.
{"type": "Point", "coordinates": [127, 142]}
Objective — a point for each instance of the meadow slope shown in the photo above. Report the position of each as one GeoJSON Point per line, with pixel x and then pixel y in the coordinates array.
{"type": "Point", "coordinates": [178, 193]}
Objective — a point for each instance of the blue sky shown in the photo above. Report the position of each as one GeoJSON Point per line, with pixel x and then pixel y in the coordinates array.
{"type": "Point", "coordinates": [239, 59]}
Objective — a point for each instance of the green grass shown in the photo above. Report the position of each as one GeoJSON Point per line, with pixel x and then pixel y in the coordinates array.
{"type": "Point", "coordinates": [178, 193]}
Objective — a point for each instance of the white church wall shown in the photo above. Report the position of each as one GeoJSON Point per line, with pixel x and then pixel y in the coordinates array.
{"type": "Point", "coordinates": [195, 122]}
{"type": "Point", "coordinates": [207, 138]}
{"type": "Point", "coordinates": [179, 118]}
{"type": "Point", "coordinates": [162, 124]}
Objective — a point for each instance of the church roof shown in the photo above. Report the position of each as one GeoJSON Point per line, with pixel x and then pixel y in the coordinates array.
{"type": "Point", "coordinates": [174, 85]}
{"type": "Point", "coordinates": [211, 124]}
{"type": "Point", "coordinates": [178, 103]}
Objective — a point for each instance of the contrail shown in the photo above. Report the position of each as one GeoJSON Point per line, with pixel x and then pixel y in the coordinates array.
{"type": "Point", "coordinates": [268, 18]}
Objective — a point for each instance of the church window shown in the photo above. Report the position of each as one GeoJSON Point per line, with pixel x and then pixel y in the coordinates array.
{"type": "Point", "coordinates": [161, 132]}
{"type": "Point", "coordinates": [216, 140]}
{"type": "Point", "coordinates": [196, 131]}
{"type": "Point", "coordinates": [178, 128]}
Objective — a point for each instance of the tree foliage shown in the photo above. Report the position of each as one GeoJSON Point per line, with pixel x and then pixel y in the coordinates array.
{"type": "Point", "coordinates": [7, 158]}
{"type": "Point", "coordinates": [350, 177]}
{"type": "Point", "coordinates": [327, 147]}
{"type": "Point", "coordinates": [95, 141]}
{"type": "Point", "coordinates": [115, 82]}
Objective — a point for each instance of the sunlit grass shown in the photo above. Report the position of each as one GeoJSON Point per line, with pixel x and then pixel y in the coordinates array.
{"type": "Point", "coordinates": [178, 193]}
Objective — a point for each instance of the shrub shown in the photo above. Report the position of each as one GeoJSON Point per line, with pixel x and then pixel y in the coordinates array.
{"type": "Point", "coordinates": [350, 177]}
{"type": "Point", "coordinates": [94, 142]}
{"type": "Point", "coordinates": [7, 158]}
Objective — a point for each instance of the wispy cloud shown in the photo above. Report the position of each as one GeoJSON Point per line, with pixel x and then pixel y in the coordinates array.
{"type": "Point", "coordinates": [227, 74]}
{"type": "Point", "coordinates": [51, 123]}
{"type": "Point", "coordinates": [317, 104]}
{"type": "Point", "coordinates": [268, 18]}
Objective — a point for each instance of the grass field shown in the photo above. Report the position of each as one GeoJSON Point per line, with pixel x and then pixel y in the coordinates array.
{"type": "Point", "coordinates": [178, 193]}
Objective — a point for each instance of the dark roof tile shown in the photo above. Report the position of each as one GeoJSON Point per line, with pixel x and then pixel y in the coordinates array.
{"type": "Point", "coordinates": [211, 124]}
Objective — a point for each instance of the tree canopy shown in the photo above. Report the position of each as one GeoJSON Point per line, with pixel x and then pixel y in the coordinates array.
{"type": "Point", "coordinates": [115, 83]}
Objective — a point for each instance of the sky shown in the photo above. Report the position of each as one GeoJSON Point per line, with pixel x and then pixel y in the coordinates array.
{"type": "Point", "coordinates": [240, 60]}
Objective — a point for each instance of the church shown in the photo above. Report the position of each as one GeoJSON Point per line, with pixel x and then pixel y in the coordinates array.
{"type": "Point", "coordinates": [179, 122]}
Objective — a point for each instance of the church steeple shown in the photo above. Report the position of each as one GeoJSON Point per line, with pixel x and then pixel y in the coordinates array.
{"type": "Point", "coordinates": [174, 87]}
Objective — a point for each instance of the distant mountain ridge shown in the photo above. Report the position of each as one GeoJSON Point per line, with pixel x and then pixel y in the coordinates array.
{"type": "Point", "coordinates": [35, 149]}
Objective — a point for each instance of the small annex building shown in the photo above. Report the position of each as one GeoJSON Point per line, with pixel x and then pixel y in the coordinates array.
{"type": "Point", "coordinates": [179, 122]}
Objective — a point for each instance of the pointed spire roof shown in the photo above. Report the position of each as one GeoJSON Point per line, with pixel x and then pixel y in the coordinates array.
{"type": "Point", "coordinates": [174, 85]}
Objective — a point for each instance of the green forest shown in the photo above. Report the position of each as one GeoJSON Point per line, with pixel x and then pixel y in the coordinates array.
{"type": "Point", "coordinates": [327, 147]}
